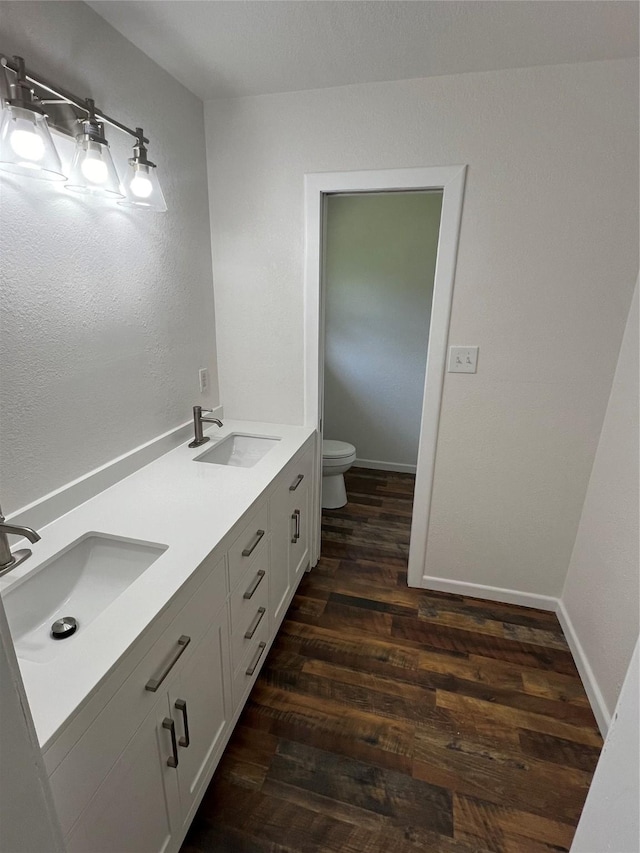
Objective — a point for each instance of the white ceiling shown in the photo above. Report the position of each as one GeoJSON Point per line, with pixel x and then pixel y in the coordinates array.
{"type": "Point", "coordinates": [226, 48]}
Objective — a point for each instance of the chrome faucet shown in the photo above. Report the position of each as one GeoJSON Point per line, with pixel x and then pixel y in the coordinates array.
{"type": "Point", "coordinates": [198, 420]}
{"type": "Point", "coordinates": [8, 560]}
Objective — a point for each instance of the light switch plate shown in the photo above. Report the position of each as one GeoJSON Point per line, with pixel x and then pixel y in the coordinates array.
{"type": "Point", "coordinates": [463, 359]}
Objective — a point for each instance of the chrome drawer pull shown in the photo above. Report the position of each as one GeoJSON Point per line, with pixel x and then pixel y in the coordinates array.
{"type": "Point", "coordinates": [296, 482]}
{"type": "Point", "coordinates": [257, 619]}
{"type": "Point", "coordinates": [181, 705]}
{"type": "Point", "coordinates": [248, 551]}
{"type": "Point", "coordinates": [254, 663]}
{"type": "Point", "coordinates": [296, 518]}
{"type": "Point", "coordinates": [255, 583]}
{"type": "Point", "coordinates": [168, 723]}
{"type": "Point", "coordinates": [153, 683]}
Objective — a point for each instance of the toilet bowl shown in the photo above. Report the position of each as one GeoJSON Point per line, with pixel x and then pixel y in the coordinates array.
{"type": "Point", "coordinates": [337, 457]}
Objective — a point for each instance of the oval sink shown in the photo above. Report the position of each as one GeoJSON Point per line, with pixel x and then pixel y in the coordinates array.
{"type": "Point", "coordinates": [238, 450]}
{"type": "Point", "coordinates": [79, 582]}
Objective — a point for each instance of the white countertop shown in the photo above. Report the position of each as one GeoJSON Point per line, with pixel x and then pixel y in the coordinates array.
{"type": "Point", "coordinates": [189, 508]}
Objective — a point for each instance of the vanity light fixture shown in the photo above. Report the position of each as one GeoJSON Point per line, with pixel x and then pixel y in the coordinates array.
{"type": "Point", "coordinates": [31, 105]}
{"type": "Point", "coordinates": [92, 170]}
{"type": "Point", "coordinates": [26, 146]}
{"type": "Point", "coordinates": [141, 183]}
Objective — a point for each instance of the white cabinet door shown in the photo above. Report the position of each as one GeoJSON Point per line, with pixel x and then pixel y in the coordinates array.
{"type": "Point", "coordinates": [200, 709]}
{"type": "Point", "coordinates": [290, 540]}
{"type": "Point", "coordinates": [151, 791]}
{"type": "Point", "coordinates": [299, 530]}
{"type": "Point", "coordinates": [137, 807]}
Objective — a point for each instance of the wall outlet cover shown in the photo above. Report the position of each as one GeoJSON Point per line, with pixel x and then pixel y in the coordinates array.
{"type": "Point", "coordinates": [463, 359]}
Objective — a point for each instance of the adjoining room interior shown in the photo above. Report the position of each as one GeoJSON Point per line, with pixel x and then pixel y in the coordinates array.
{"type": "Point", "coordinates": [379, 265]}
{"type": "Point", "coordinates": [203, 649]}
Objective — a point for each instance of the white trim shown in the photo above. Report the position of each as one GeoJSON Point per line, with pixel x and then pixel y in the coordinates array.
{"type": "Point", "coordinates": [44, 510]}
{"type": "Point", "coordinates": [594, 694]}
{"type": "Point", "coordinates": [449, 179]}
{"type": "Point", "coordinates": [377, 465]}
{"type": "Point", "coordinates": [434, 376]}
{"type": "Point", "coordinates": [492, 593]}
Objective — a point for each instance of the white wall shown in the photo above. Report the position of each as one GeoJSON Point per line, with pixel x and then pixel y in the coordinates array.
{"type": "Point", "coordinates": [106, 314]}
{"type": "Point", "coordinates": [380, 259]}
{"type": "Point", "coordinates": [601, 596]}
{"type": "Point", "coordinates": [548, 257]}
{"type": "Point", "coordinates": [28, 822]}
{"type": "Point", "coordinates": [609, 822]}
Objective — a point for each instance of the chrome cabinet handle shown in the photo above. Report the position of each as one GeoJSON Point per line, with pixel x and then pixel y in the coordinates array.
{"type": "Point", "coordinates": [153, 683]}
{"type": "Point", "coordinates": [296, 533]}
{"type": "Point", "coordinates": [296, 482]}
{"type": "Point", "coordinates": [255, 583]}
{"type": "Point", "coordinates": [254, 663]}
{"type": "Point", "coordinates": [257, 619]}
{"type": "Point", "coordinates": [181, 705]}
{"type": "Point", "coordinates": [251, 548]}
{"type": "Point", "coordinates": [168, 723]}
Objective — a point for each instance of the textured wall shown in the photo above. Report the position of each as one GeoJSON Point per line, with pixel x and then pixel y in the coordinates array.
{"type": "Point", "coordinates": [380, 262]}
{"type": "Point", "coordinates": [106, 314]}
{"type": "Point", "coordinates": [601, 593]}
{"type": "Point", "coordinates": [547, 262]}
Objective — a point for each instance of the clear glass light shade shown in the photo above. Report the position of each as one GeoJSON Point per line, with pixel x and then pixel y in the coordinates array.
{"type": "Point", "coordinates": [142, 188]}
{"type": "Point", "coordinates": [26, 146]}
{"type": "Point", "coordinates": [93, 171]}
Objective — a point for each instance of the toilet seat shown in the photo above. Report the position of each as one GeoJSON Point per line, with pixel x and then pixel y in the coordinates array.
{"type": "Point", "coordinates": [337, 449]}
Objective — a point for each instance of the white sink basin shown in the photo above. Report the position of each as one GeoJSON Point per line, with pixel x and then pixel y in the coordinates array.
{"type": "Point", "coordinates": [238, 450]}
{"type": "Point", "coordinates": [81, 582]}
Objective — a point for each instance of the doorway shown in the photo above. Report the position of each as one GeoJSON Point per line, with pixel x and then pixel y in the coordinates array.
{"type": "Point", "coordinates": [318, 188]}
{"type": "Point", "coordinates": [379, 267]}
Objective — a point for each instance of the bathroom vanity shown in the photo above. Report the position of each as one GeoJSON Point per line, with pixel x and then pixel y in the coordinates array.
{"type": "Point", "coordinates": [134, 709]}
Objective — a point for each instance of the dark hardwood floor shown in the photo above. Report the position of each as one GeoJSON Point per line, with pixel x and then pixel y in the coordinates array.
{"type": "Point", "coordinates": [395, 720]}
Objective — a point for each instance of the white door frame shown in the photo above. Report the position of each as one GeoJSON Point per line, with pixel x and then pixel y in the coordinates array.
{"type": "Point", "coordinates": [451, 180]}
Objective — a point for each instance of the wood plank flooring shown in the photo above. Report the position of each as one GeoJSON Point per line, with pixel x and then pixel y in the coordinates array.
{"type": "Point", "coordinates": [395, 720]}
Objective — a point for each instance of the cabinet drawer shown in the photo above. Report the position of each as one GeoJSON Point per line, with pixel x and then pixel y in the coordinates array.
{"type": "Point", "coordinates": [249, 607]}
{"type": "Point", "coordinates": [254, 657]}
{"type": "Point", "coordinates": [79, 775]}
{"type": "Point", "coordinates": [248, 545]}
{"type": "Point", "coordinates": [298, 475]}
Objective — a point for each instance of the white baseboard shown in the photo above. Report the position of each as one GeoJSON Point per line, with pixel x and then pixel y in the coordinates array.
{"type": "Point", "coordinates": [492, 593]}
{"type": "Point", "coordinates": [67, 497]}
{"type": "Point", "coordinates": [385, 466]}
{"type": "Point", "coordinates": [594, 694]}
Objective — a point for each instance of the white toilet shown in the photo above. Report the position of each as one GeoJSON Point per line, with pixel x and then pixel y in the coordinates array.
{"type": "Point", "coordinates": [337, 457]}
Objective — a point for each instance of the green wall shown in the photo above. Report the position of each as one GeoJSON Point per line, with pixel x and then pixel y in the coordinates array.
{"type": "Point", "coordinates": [380, 257]}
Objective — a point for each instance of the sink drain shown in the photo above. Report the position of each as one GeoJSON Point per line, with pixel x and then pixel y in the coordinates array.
{"type": "Point", "coordinates": [63, 628]}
